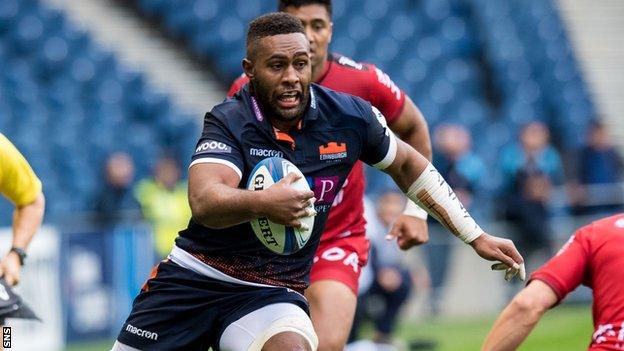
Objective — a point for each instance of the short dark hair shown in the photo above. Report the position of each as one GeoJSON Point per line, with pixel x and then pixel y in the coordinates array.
{"type": "Point", "coordinates": [283, 4]}
{"type": "Point", "coordinates": [271, 24]}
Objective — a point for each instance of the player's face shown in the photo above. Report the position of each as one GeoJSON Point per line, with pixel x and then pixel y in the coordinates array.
{"type": "Point", "coordinates": [318, 26]}
{"type": "Point", "coordinates": [280, 74]}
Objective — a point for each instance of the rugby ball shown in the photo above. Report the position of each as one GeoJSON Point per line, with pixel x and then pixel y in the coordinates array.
{"type": "Point", "coordinates": [281, 239]}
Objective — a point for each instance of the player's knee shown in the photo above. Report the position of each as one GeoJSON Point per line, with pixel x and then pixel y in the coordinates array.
{"type": "Point", "coordinates": [287, 341]}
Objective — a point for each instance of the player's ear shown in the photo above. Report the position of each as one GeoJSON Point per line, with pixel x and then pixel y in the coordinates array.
{"type": "Point", "coordinates": [248, 68]}
{"type": "Point", "coordinates": [331, 31]}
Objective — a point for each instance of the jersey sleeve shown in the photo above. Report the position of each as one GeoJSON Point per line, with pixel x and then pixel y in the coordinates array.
{"type": "Point", "coordinates": [237, 85]}
{"type": "Point", "coordinates": [569, 268]}
{"type": "Point", "coordinates": [380, 145]}
{"type": "Point", "coordinates": [218, 144]}
{"type": "Point", "coordinates": [385, 94]}
{"type": "Point", "coordinates": [18, 182]}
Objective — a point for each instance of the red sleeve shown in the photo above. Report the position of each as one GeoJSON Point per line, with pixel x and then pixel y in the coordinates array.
{"type": "Point", "coordinates": [568, 269]}
{"type": "Point", "coordinates": [385, 94]}
{"type": "Point", "coordinates": [237, 85]}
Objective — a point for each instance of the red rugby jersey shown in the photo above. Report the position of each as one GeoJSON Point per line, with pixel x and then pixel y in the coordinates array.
{"type": "Point", "coordinates": [370, 83]}
{"type": "Point", "coordinates": [594, 256]}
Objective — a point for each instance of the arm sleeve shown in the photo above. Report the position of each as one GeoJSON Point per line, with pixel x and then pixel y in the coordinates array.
{"type": "Point", "coordinates": [568, 269]}
{"type": "Point", "coordinates": [18, 182]}
{"type": "Point", "coordinates": [380, 145]}
{"type": "Point", "coordinates": [385, 95]}
{"type": "Point", "coordinates": [237, 85]}
{"type": "Point", "coordinates": [217, 144]}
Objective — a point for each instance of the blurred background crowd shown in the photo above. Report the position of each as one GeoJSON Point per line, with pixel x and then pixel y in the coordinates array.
{"type": "Point", "coordinates": [105, 98]}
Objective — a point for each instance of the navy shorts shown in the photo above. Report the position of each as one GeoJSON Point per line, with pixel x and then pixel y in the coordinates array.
{"type": "Point", "coordinates": [179, 309]}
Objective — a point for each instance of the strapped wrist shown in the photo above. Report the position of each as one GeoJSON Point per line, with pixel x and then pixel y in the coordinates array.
{"type": "Point", "coordinates": [412, 209]}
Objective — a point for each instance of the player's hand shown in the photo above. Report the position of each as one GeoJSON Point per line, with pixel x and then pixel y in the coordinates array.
{"type": "Point", "coordinates": [409, 231]}
{"type": "Point", "coordinates": [498, 249]}
{"type": "Point", "coordinates": [10, 268]}
{"type": "Point", "coordinates": [285, 205]}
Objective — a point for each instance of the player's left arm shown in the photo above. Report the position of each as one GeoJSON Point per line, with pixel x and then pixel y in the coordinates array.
{"type": "Point", "coordinates": [410, 229]}
{"type": "Point", "coordinates": [520, 317]}
{"type": "Point", "coordinates": [424, 185]}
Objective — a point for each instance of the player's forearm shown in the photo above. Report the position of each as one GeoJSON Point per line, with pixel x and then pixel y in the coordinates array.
{"type": "Point", "coordinates": [221, 206]}
{"type": "Point", "coordinates": [426, 187]}
{"type": "Point", "coordinates": [513, 326]}
{"type": "Point", "coordinates": [26, 221]}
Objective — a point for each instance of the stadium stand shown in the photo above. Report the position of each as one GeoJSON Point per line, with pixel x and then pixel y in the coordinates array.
{"type": "Point", "coordinates": [67, 102]}
{"type": "Point", "coordinates": [463, 62]}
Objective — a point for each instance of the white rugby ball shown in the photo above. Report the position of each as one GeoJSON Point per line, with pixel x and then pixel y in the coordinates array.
{"type": "Point", "coordinates": [281, 239]}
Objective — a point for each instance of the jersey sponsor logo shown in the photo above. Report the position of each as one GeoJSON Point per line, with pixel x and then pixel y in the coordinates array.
{"type": "Point", "coordinates": [333, 151]}
{"type": "Point", "coordinates": [325, 189]}
{"type": "Point", "coordinates": [620, 223]}
{"type": "Point", "coordinates": [141, 332]}
{"type": "Point", "coordinates": [213, 146]}
{"type": "Point", "coordinates": [385, 80]}
{"type": "Point", "coordinates": [265, 153]}
{"type": "Point", "coordinates": [345, 61]}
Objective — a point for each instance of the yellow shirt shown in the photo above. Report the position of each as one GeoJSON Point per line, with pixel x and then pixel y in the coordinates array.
{"type": "Point", "coordinates": [167, 211]}
{"type": "Point", "coordinates": [18, 182]}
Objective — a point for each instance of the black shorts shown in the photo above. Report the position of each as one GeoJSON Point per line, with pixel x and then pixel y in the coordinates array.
{"type": "Point", "coordinates": [179, 309]}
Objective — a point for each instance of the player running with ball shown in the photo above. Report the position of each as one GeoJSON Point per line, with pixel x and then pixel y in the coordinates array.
{"type": "Point", "coordinates": [221, 287]}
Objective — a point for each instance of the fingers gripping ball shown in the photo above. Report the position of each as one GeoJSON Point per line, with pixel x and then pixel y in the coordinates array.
{"type": "Point", "coordinates": [281, 239]}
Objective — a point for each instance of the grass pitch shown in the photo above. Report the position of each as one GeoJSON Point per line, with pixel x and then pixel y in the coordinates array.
{"type": "Point", "coordinates": [565, 328]}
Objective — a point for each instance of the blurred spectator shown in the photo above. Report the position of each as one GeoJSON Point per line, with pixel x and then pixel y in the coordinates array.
{"type": "Point", "coordinates": [115, 202]}
{"type": "Point", "coordinates": [164, 204]}
{"type": "Point", "coordinates": [463, 170]}
{"type": "Point", "coordinates": [530, 169]}
{"type": "Point", "coordinates": [599, 172]}
{"type": "Point", "coordinates": [382, 299]}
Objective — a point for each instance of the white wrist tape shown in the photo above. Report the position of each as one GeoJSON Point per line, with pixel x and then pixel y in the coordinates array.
{"type": "Point", "coordinates": [411, 209]}
{"type": "Point", "coordinates": [431, 192]}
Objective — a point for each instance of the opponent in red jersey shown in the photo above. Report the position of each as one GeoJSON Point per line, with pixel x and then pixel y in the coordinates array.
{"type": "Point", "coordinates": [343, 249]}
{"type": "Point", "coordinates": [594, 256]}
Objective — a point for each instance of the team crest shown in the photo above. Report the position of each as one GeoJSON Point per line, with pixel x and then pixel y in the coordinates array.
{"type": "Point", "coordinates": [333, 151]}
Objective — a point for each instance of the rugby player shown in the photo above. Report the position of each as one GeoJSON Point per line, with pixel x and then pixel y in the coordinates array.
{"type": "Point", "coordinates": [594, 256]}
{"type": "Point", "coordinates": [220, 286]}
{"type": "Point", "coordinates": [20, 185]}
{"type": "Point", "coordinates": [343, 250]}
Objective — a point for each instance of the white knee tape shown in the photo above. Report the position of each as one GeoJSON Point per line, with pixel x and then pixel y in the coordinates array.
{"type": "Point", "coordinates": [295, 324]}
{"type": "Point", "coordinates": [252, 331]}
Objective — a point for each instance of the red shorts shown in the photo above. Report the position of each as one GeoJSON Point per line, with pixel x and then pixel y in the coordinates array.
{"type": "Point", "coordinates": [341, 259]}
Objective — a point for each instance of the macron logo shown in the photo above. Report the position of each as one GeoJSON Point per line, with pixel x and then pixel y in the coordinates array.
{"type": "Point", "coordinates": [141, 332]}
{"type": "Point", "coordinates": [265, 153]}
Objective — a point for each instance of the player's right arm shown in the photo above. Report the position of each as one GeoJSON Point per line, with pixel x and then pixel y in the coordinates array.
{"type": "Point", "coordinates": [215, 198]}
{"type": "Point", "coordinates": [548, 286]}
{"type": "Point", "coordinates": [520, 317]}
{"type": "Point", "coordinates": [217, 202]}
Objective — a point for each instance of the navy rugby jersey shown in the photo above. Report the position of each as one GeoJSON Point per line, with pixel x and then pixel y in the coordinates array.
{"type": "Point", "coordinates": [336, 130]}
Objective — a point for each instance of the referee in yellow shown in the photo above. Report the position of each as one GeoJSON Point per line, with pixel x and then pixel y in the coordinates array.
{"type": "Point", "coordinates": [20, 185]}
